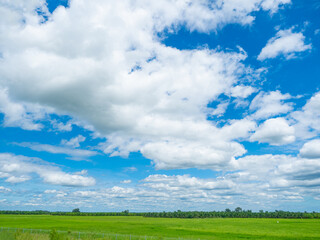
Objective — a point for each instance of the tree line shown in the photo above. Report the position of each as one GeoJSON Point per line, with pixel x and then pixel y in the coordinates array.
{"type": "Point", "coordinates": [236, 213]}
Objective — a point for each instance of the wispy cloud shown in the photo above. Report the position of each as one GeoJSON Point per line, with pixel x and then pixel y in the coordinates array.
{"type": "Point", "coordinates": [73, 153]}
{"type": "Point", "coordinates": [286, 43]}
{"type": "Point", "coordinates": [16, 168]}
{"type": "Point", "coordinates": [130, 169]}
{"type": "Point", "coordinates": [270, 104]}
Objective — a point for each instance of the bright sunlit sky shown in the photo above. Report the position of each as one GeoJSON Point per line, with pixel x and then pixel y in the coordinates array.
{"type": "Point", "coordinates": [161, 105]}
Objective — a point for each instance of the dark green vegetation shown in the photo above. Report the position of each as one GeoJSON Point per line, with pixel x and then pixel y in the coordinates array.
{"type": "Point", "coordinates": [237, 213]}
{"type": "Point", "coordinates": [208, 228]}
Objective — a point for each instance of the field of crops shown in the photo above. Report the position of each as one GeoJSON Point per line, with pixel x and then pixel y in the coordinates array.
{"type": "Point", "coordinates": [159, 228]}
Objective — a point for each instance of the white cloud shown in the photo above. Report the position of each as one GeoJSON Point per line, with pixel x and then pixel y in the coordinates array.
{"type": "Point", "coordinates": [286, 43]}
{"type": "Point", "coordinates": [269, 104]}
{"type": "Point", "coordinates": [273, 5]}
{"type": "Point", "coordinates": [220, 109]}
{"type": "Point", "coordinates": [311, 149]}
{"type": "Point", "coordinates": [20, 168]}
{"type": "Point", "coordinates": [264, 181]}
{"type": "Point", "coordinates": [18, 179]}
{"type": "Point", "coordinates": [302, 173]}
{"type": "Point", "coordinates": [74, 142]}
{"type": "Point", "coordinates": [85, 193]}
{"type": "Point", "coordinates": [157, 190]}
{"type": "Point", "coordinates": [281, 173]}
{"type": "Point", "coordinates": [75, 154]}
{"type": "Point", "coordinates": [50, 191]}
{"type": "Point", "coordinates": [275, 131]}
{"type": "Point", "coordinates": [308, 119]}
{"type": "Point", "coordinates": [255, 182]}
{"type": "Point", "coordinates": [4, 189]}
{"type": "Point", "coordinates": [103, 63]}
{"type": "Point", "coordinates": [130, 169]}
{"type": "Point", "coordinates": [60, 126]}
{"type": "Point", "coordinates": [241, 91]}
{"type": "Point", "coordinates": [180, 182]}
{"type": "Point", "coordinates": [66, 179]}
{"type": "Point", "coordinates": [82, 172]}
{"type": "Point", "coordinates": [20, 115]}
{"type": "Point", "coordinates": [171, 155]}
{"type": "Point", "coordinates": [126, 181]}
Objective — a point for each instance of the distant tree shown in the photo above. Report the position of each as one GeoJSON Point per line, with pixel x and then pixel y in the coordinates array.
{"type": "Point", "coordinates": [238, 209]}
{"type": "Point", "coordinates": [76, 210]}
{"type": "Point", "coordinates": [237, 213]}
{"type": "Point", "coordinates": [126, 212]}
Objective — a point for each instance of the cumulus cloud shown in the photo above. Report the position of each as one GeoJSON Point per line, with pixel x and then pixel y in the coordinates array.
{"type": "Point", "coordinates": [179, 182]}
{"type": "Point", "coordinates": [281, 174]}
{"type": "Point", "coordinates": [66, 179]}
{"type": "Point", "coordinates": [17, 179]}
{"type": "Point", "coordinates": [60, 126]}
{"type": "Point", "coordinates": [74, 142]}
{"type": "Point", "coordinates": [258, 182]}
{"type": "Point", "coordinates": [311, 149]}
{"type": "Point", "coordinates": [308, 118]}
{"type": "Point", "coordinates": [171, 155]}
{"type": "Point", "coordinates": [286, 43]}
{"type": "Point", "coordinates": [269, 104]}
{"type": "Point", "coordinates": [302, 173]}
{"type": "Point", "coordinates": [275, 131]}
{"type": "Point", "coordinates": [156, 191]}
{"type": "Point", "coordinates": [104, 64]}
{"type": "Point", "coordinates": [99, 61]}
{"type": "Point", "coordinates": [20, 168]}
{"type": "Point", "coordinates": [21, 115]}
{"type": "Point", "coordinates": [241, 91]}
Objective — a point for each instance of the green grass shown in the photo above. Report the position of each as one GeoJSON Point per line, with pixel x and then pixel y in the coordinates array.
{"type": "Point", "coordinates": [210, 228]}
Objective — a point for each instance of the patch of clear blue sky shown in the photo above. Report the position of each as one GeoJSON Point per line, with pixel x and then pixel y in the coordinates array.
{"type": "Point", "coordinates": [53, 4]}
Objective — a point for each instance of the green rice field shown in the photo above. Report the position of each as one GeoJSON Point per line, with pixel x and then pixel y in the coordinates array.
{"type": "Point", "coordinates": [127, 227]}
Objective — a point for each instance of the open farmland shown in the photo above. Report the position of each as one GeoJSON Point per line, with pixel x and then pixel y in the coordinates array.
{"type": "Point", "coordinates": [214, 228]}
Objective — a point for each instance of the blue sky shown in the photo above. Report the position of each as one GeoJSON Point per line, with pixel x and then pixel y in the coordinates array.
{"type": "Point", "coordinates": [159, 106]}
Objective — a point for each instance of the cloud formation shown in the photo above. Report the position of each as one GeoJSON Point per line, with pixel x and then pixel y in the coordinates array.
{"type": "Point", "coordinates": [20, 168]}
{"type": "Point", "coordinates": [275, 131]}
{"type": "Point", "coordinates": [21, 115]}
{"type": "Point", "coordinates": [270, 104]}
{"type": "Point", "coordinates": [285, 43]}
{"type": "Point", "coordinates": [311, 149]}
{"type": "Point", "coordinates": [258, 182]}
{"type": "Point", "coordinates": [308, 118]}
{"type": "Point", "coordinates": [74, 154]}
{"type": "Point", "coordinates": [104, 64]}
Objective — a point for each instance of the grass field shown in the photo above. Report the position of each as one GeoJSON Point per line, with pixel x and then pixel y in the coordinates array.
{"type": "Point", "coordinates": [210, 228]}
